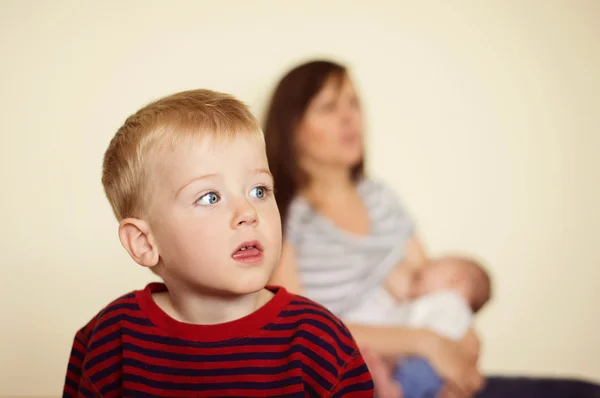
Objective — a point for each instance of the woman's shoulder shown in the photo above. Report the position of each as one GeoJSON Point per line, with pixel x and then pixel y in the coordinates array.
{"type": "Point", "coordinates": [384, 201]}
{"type": "Point", "coordinates": [299, 214]}
{"type": "Point", "coordinates": [298, 208]}
{"type": "Point", "coordinates": [376, 189]}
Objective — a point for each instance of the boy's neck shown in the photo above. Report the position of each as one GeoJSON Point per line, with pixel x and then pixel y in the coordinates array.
{"type": "Point", "coordinates": [186, 305]}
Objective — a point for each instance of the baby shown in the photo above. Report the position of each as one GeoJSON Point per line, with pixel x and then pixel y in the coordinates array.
{"type": "Point", "coordinates": [441, 296]}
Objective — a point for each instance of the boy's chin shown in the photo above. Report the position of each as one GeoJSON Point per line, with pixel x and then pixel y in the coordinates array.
{"type": "Point", "coordinates": [248, 284]}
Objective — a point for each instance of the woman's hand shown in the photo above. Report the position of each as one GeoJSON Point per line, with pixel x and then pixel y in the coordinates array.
{"type": "Point", "coordinates": [455, 365]}
{"type": "Point", "coordinates": [381, 372]}
{"type": "Point", "coordinates": [471, 345]}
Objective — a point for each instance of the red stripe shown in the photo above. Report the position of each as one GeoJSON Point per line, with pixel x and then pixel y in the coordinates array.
{"type": "Point", "coordinates": [323, 318]}
{"type": "Point", "coordinates": [204, 365]}
{"type": "Point", "coordinates": [105, 380]}
{"type": "Point", "coordinates": [238, 348]}
{"type": "Point", "coordinates": [205, 379]}
{"type": "Point", "coordinates": [106, 330]}
{"type": "Point", "coordinates": [360, 379]}
{"type": "Point", "coordinates": [215, 393]}
{"type": "Point", "coordinates": [70, 391]}
{"type": "Point", "coordinates": [102, 350]}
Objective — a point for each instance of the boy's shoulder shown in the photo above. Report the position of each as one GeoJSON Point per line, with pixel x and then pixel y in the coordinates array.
{"type": "Point", "coordinates": [313, 321]}
{"type": "Point", "coordinates": [124, 307]}
{"type": "Point", "coordinates": [304, 306]}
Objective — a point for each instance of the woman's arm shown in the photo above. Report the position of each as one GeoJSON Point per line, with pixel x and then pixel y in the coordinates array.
{"type": "Point", "coordinates": [392, 342]}
{"type": "Point", "coordinates": [450, 360]}
{"type": "Point", "coordinates": [414, 253]}
{"type": "Point", "coordinates": [471, 345]}
{"type": "Point", "coordinates": [399, 280]}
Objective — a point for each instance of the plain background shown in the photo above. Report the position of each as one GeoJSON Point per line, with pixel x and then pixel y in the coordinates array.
{"type": "Point", "coordinates": [482, 115]}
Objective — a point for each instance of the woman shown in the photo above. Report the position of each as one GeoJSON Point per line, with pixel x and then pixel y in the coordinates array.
{"type": "Point", "coordinates": [344, 233]}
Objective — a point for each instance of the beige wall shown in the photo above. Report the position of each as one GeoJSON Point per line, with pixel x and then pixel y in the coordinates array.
{"type": "Point", "coordinates": [483, 115]}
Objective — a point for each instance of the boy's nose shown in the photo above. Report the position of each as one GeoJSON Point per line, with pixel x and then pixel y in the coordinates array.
{"type": "Point", "coordinates": [245, 215]}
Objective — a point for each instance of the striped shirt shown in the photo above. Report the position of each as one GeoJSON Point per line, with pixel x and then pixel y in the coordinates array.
{"type": "Point", "coordinates": [289, 347]}
{"type": "Point", "coordinates": [338, 269]}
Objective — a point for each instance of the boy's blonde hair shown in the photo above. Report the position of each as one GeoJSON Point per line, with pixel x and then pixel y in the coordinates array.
{"type": "Point", "coordinates": [188, 114]}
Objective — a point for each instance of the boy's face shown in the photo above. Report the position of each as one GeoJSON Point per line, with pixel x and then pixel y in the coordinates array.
{"type": "Point", "coordinates": [213, 215]}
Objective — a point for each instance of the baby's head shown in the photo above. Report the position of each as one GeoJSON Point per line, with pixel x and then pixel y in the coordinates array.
{"type": "Point", "coordinates": [464, 275]}
{"type": "Point", "coordinates": [188, 180]}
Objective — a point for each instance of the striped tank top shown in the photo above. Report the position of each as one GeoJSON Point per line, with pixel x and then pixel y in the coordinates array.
{"type": "Point", "coordinates": [341, 270]}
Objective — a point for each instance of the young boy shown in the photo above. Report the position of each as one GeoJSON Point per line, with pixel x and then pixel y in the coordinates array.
{"type": "Point", "coordinates": [188, 180]}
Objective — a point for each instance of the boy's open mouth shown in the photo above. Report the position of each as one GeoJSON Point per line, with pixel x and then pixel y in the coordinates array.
{"type": "Point", "coordinates": [248, 251]}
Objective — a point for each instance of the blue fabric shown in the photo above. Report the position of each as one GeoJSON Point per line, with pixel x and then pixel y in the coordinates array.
{"type": "Point", "coordinates": [538, 387]}
{"type": "Point", "coordinates": [417, 378]}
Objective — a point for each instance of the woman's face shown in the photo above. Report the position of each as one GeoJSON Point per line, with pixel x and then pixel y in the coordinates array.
{"type": "Point", "coordinates": [330, 133]}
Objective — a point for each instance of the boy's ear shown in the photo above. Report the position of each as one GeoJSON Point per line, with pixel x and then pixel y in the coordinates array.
{"type": "Point", "coordinates": [137, 239]}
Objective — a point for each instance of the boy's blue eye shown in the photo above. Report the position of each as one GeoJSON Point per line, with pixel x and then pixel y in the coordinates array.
{"type": "Point", "coordinates": [259, 192]}
{"type": "Point", "coordinates": [209, 199]}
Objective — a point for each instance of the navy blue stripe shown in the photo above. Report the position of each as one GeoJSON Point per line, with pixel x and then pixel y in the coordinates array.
{"type": "Point", "coordinates": [140, 394]}
{"type": "Point", "coordinates": [137, 394]}
{"type": "Point", "coordinates": [320, 342]}
{"type": "Point", "coordinates": [242, 370]}
{"type": "Point", "coordinates": [357, 371]}
{"type": "Point", "coordinates": [299, 394]}
{"type": "Point", "coordinates": [365, 386]}
{"type": "Point", "coordinates": [101, 374]}
{"type": "Point", "coordinates": [122, 318]}
{"type": "Point", "coordinates": [220, 357]}
{"type": "Point", "coordinates": [319, 325]}
{"type": "Point", "coordinates": [195, 358]}
{"type": "Point", "coordinates": [78, 339]}
{"type": "Point", "coordinates": [85, 392]}
{"type": "Point", "coordinates": [75, 369]}
{"type": "Point", "coordinates": [118, 305]}
{"type": "Point", "coordinates": [112, 388]}
{"type": "Point", "coordinates": [302, 312]}
{"type": "Point", "coordinates": [103, 356]}
{"type": "Point", "coordinates": [317, 377]}
{"type": "Point", "coordinates": [225, 385]}
{"type": "Point", "coordinates": [174, 341]}
{"type": "Point", "coordinates": [116, 335]}
{"type": "Point", "coordinates": [73, 384]}
{"type": "Point", "coordinates": [297, 304]}
{"type": "Point", "coordinates": [310, 391]}
{"type": "Point", "coordinates": [77, 354]}
{"type": "Point", "coordinates": [319, 359]}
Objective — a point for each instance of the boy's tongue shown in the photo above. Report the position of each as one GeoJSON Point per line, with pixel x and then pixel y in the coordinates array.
{"type": "Point", "coordinates": [248, 252]}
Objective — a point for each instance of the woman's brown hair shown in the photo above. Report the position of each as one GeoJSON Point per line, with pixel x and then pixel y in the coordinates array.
{"type": "Point", "coordinates": [289, 102]}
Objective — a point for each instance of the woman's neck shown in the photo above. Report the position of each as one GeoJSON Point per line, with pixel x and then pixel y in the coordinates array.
{"type": "Point", "coordinates": [329, 185]}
